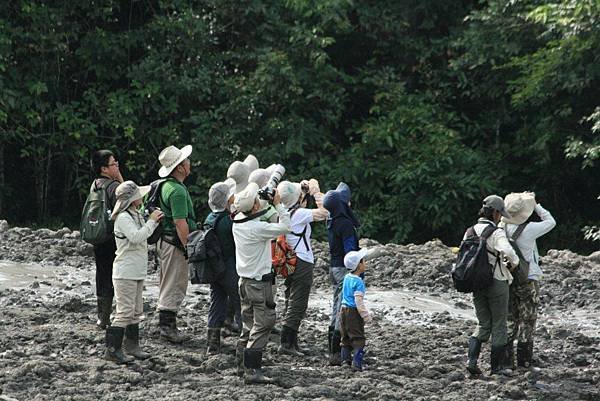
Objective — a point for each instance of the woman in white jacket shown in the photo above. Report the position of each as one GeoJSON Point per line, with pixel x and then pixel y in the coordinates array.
{"type": "Point", "coordinates": [129, 271]}
{"type": "Point", "coordinates": [524, 296]}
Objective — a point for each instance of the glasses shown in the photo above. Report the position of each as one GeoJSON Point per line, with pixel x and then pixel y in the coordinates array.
{"type": "Point", "coordinates": [113, 164]}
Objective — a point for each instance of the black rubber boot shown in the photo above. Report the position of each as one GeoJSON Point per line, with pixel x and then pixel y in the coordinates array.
{"type": "Point", "coordinates": [104, 310]}
{"type": "Point", "coordinates": [299, 350]}
{"type": "Point", "coordinates": [498, 361]}
{"type": "Point", "coordinates": [167, 321]}
{"type": "Point", "coordinates": [532, 362]}
{"type": "Point", "coordinates": [474, 351]}
{"type": "Point", "coordinates": [329, 335]}
{"type": "Point", "coordinates": [335, 358]}
{"type": "Point", "coordinates": [287, 342]}
{"type": "Point", "coordinates": [213, 339]}
{"type": "Point", "coordinates": [131, 344]}
{"type": "Point", "coordinates": [524, 354]}
{"type": "Point", "coordinates": [510, 355]}
{"type": "Point", "coordinates": [346, 355]}
{"type": "Point", "coordinates": [253, 367]}
{"type": "Point", "coordinates": [114, 341]}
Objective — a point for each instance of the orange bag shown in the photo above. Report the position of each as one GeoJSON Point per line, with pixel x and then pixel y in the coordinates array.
{"type": "Point", "coordinates": [284, 258]}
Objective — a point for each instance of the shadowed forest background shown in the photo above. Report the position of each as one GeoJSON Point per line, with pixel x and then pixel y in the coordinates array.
{"type": "Point", "coordinates": [423, 107]}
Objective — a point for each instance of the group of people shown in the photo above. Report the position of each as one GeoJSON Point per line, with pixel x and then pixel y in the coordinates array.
{"type": "Point", "coordinates": [243, 296]}
{"type": "Point", "coordinates": [507, 310]}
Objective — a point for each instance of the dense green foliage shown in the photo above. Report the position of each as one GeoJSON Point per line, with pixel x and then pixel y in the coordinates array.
{"type": "Point", "coordinates": [423, 107]}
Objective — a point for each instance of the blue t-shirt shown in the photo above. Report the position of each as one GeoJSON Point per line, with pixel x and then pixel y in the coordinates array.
{"type": "Point", "coordinates": [351, 284]}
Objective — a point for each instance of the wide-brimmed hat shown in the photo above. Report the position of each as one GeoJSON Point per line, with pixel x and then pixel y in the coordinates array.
{"type": "Point", "coordinates": [519, 205]}
{"type": "Point", "coordinates": [244, 200]}
{"type": "Point", "coordinates": [497, 203]}
{"type": "Point", "coordinates": [260, 176]}
{"type": "Point", "coordinates": [290, 193]}
{"type": "Point", "coordinates": [170, 158]}
{"type": "Point", "coordinates": [252, 162]}
{"type": "Point", "coordinates": [126, 193]}
{"type": "Point", "coordinates": [239, 172]}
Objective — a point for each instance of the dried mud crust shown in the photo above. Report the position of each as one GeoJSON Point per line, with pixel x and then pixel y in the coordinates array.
{"type": "Point", "coordinates": [50, 350]}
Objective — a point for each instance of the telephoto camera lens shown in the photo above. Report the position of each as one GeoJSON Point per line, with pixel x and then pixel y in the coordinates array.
{"type": "Point", "coordinates": [268, 191]}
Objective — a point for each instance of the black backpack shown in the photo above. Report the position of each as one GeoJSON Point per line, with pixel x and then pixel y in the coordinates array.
{"type": "Point", "coordinates": [472, 270]}
{"type": "Point", "coordinates": [151, 202]}
{"type": "Point", "coordinates": [205, 256]}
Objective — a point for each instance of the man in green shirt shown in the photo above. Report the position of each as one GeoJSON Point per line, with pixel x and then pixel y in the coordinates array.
{"type": "Point", "coordinates": [179, 220]}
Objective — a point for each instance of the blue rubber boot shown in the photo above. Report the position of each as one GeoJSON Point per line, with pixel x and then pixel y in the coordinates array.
{"type": "Point", "coordinates": [357, 362]}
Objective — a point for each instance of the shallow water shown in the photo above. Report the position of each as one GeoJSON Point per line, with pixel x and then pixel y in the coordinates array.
{"type": "Point", "coordinates": [16, 275]}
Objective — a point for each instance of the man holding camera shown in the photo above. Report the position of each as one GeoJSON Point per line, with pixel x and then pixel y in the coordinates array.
{"type": "Point", "coordinates": [253, 263]}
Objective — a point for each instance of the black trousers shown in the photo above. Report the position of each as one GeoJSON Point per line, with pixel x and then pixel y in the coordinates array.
{"type": "Point", "coordinates": [105, 256]}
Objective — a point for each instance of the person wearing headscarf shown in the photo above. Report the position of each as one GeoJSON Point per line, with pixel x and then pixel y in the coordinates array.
{"type": "Point", "coordinates": [525, 295]}
{"type": "Point", "coordinates": [342, 235]}
{"type": "Point", "coordinates": [225, 289]}
{"type": "Point", "coordinates": [129, 272]}
{"type": "Point", "coordinates": [298, 284]}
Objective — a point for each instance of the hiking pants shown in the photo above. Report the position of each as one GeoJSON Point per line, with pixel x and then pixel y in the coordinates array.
{"type": "Point", "coordinates": [130, 305]}
{"type": "Point", "coordinates": [105, 256]}
{"type": "Point", "coordinates": [297, 291]}
{"type": "Point", "coordinates": [258, 312]}
{"type": "Point", "coordinates": [491, 309]}
{"type": "Point", "coordinates": [336, 277]}
{"type": "Point", "coordinates": [524, 300]}
{"type": "Point", "coordinates": [222, 292]}
{"type": "Point", "coordinates": [173, 278]}
{"type": "Point", "coordinates": [352, 328]}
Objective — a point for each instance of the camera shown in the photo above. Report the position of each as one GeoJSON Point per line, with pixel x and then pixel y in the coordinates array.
{"type": "Point", "coordinates": [268, 191]}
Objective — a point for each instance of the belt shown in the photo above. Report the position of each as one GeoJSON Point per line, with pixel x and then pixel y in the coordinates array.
{"type": "Point", "coordinates": [264, 278]}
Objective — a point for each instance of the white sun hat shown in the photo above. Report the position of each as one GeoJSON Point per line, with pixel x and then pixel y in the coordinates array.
{"type": "Point", "coordinates": [520, 206]}
{"type": "Point", "coordinates": [170, 158]}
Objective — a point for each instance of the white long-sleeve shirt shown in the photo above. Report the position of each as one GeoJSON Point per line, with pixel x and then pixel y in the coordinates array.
{"type": "Point", "coordinates": [253, 243]}
{"type": "Point", "coordinates": [527, 240]}
{"type": "Point", "coordinates": [497, 243]}
{"type": "Point", "coordinates": [131, 260]}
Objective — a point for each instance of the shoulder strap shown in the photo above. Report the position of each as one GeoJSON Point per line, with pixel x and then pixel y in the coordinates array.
{"type": "Point", "coordinates": [518, 231]}
{"type": "Point", "coordinates": [250, 217]}
{"type": "Point", "coordinates": [302, 236]}
{"type": "Point", "coordinates": [488, 231]}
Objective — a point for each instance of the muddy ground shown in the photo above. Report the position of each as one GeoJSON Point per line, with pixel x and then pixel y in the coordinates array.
{"type": "Point", "coordinates": [50, 349]}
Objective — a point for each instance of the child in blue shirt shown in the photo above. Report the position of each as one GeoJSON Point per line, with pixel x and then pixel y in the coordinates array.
{"type": "Point", "coordinates": [354, 313]}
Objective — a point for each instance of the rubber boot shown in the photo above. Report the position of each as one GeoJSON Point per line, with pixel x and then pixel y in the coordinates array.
{"type": "Point", "coordinates": [357, 361]}
{"type": "Point", "coordinates": [299, 350]}
{"type": "Point", "coordinates": [213, 338]}
{"type": "Point", "coordinates": [474, 351]}
{"type": "Point", "coordinates": [329, 335]}
{"type": "Point", "coordinates": [510, 355]}
{"type": "Point", "coordinates": [287, 342]}
{"type": "Point", "coordinates": [335, 358]}
{"type": "Point", "coordinates": [346, 355]}
{"type": "Point", "coordinates": [104, 311]}
{"type": "Point", "coordinates": [498, 361]}
{"type": "Point", "coordinates": [523, 358]}
{"type": "Point", "coordinates": [167, 321]}
{"type": "Point", "coordinates": [253, 367]}
{"type": "Point", "coordinates": [131, 344]}
{"type": "Point", "coordinates": [239, 360]}
{"type": "Point", "coordinates": [532, 362]}
{"type": "Point", "coordinates": [114, 341]}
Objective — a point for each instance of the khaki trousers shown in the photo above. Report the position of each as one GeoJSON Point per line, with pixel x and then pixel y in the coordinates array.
{"type": "Point", "coordinates": [130, 305]}
{"type": "Point", "coordinates": [258, 312]}
{"type": "Point", "coordinates": [173, 278]}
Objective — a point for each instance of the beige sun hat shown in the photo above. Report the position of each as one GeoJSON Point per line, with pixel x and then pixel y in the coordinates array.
{"type": "Point", "coordinates": [244, 200]}
{"type": "Point", "coordinates": [218, 197]}
{"type": "Point", "coordinates": [290, 193]}
{"type": "Point", "coordinates": [252, 162]}
{"type": "Point", "coordinates": [260, 177]}
{"type": "Point", "coordinates": [239, 172]}
{"type": "Point", "coordinates": [170, 158]}
{"type": "Point", "coordinates": [519, 205]}
{"type": "Point", "coordinates": [126, 193]}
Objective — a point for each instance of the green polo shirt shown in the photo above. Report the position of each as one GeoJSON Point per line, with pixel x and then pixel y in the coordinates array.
{"type": "Point", "coordinates": [176, 203]}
